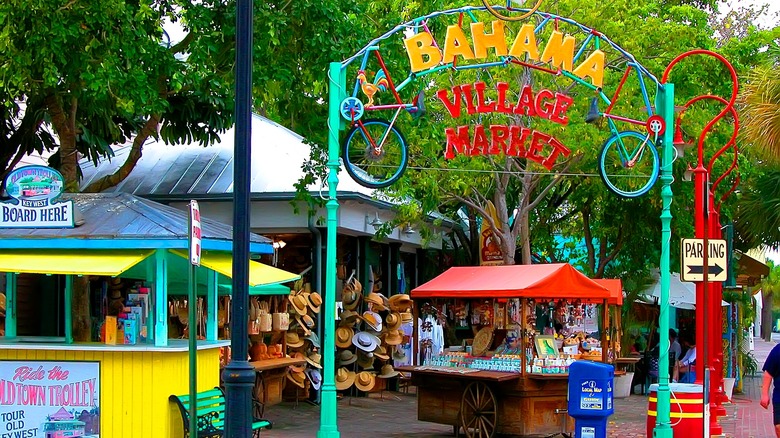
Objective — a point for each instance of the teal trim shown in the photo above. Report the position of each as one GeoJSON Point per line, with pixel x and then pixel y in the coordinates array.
{"type": "Point", "coordinates": [212, 305]}
{"type": "Point", "coordinates": [10, 311]}
{"type": "Point", "coordinates": [68, 309]}
{"type": "Point", "coordinates": [150, 265]}
{"type": "Point", "coordinates": [208, 245]}
{"type": "Point", "coordinates": [161, 298]}
{"type": "Point", "coordinates": [264, 290]}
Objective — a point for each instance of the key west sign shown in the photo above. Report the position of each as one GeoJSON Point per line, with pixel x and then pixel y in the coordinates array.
{"type": "Point", "coordinates": [35, 191]}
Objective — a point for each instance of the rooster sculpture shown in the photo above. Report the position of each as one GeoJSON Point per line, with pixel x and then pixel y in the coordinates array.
{"type": "Point", "coordinates": [370, 89]}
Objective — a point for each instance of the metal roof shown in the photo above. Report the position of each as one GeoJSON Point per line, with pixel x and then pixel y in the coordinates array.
{"type": "Point", "coordinates": [175, 171]}
{"type": "Point", "coordinates": [122, 220]}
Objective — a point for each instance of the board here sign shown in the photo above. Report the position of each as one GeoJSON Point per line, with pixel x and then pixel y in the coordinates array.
{"type": "Point", "coordinates": [692, 258]}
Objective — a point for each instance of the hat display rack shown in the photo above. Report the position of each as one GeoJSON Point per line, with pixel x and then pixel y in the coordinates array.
{"type": "Point", "coordinates": [368, 334]}
{"type": "Point", "coordinates": [301, 309]}
{"type": "Point", "coordinates": [2, 314]}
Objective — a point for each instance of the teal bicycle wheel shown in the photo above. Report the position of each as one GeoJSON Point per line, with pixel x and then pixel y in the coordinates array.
{"type": "Point", "coordinates": [375, 153]}
{"type": "Point", "coordinates": [629, 164]}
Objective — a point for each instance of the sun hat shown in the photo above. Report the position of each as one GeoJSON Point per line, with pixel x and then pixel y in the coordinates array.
{"type": "Point", "coordinates": [399, 354]}
{"type": "Point", "coordinates": [406, 317]}
{"type": "Point", "coordinates": [298, 378]}
{"type": "Point", "coordinates": [365, 341]}
{"type": "Point", "coordinates": [314, 339]}
{"type": "Point", "coordinates": [350, 299]}
{"type": "Point", "coordinates": [315, 301]}
{"type": "Point", "coordinates": [299, 303]}
{"type": "Point", "coordinates": [344, 337]}
{"type": "Point", "coordinates": [394, 337]}
{"type": "Point", "coordinates": [314, 359]}
{"type": "Point", "coordinates": [348, 317]}
{"type": "Point", "coordinates": [315, 377]}
{"type": "Point", "coordinates": [399, 302]}
{"type": "Point", "coordinates": [365, 360]}
{"type": "Point", "coordinates": [293, 340]}
{"type": "Point", "coordinates": [393, 321]}
{"type": "Point", "coordinates": [372, 320]}
{"type": "Point", "coordinates": [365, 381]}
{"type": "Point", "coordinates": [347, 357]}
{"type": "Point", "coordinates": [344, 379]}
{"type": "Point", "coordinates": [303, 325]}
{"type": "Point", "coordinates": [381, 353]}
{"type": "Point", "coordinates": [2, 302]}
{"type": "Point", "coordinates": [377, 300]}
{"type": "Point", "coordinates": [388, 372]}
{"type": "Point", "coordinates": [298, 368]}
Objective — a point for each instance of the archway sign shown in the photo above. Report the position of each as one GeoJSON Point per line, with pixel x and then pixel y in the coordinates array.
{"type": "Point", "coordinates": [373, 96]}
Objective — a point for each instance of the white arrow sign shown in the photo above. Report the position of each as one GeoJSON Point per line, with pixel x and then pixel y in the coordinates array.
{"type": "Point", "coordinates": [692, 258]}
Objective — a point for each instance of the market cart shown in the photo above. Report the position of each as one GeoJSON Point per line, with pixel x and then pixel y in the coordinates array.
{"type": "Point", "coordinates": [506, 391]}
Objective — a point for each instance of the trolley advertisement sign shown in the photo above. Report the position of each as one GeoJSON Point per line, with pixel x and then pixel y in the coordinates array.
{"type": "Point", "coordinates": [35, 191]}
{"type": "Point", "coordinates": [43, 399]}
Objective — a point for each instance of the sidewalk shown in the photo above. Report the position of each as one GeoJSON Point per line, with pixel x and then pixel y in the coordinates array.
{"type": "Point", "coordinates": [395, 415]}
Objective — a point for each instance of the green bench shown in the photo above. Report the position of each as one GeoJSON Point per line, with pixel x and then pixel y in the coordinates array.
{"type": "Point", "coordinates": [210, 409]}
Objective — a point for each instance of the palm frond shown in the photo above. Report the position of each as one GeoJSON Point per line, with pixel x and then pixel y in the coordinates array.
{"type": "Point", "coordinates": [760, 114]}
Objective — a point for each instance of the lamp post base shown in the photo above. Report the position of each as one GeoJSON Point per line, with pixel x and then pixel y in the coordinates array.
{"type": "Point", "coordinates": [238, 378]}
{"type": "Point", "coordinates": [663, 431]}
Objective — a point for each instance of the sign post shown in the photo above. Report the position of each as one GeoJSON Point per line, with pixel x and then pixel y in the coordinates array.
{"type": "Point", "coordinates": [194, 244]}
{"type": "Point", "coordinates": [692, 257]}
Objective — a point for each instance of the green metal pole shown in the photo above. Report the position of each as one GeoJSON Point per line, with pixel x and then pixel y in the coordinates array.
{"type": "Point", "coordinates": [10, 311]}
{"type": "Point", "coordinates": [328, 419]}
{"type": "Point", "coordinates": [160, 308]}
{"type": "Point", "coordinates": [193, 355]}
{"type": "Point", "coordinates": [68, 309]}
{"type": "Point", "coordinates": [665, 105]}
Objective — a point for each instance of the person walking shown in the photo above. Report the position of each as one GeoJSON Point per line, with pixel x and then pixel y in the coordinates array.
{"type": "Point", "coordinates": [772, 375]}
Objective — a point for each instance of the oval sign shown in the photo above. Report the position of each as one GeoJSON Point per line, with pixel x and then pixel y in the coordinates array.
{"type": "Point", "coordinates": [34, 186]}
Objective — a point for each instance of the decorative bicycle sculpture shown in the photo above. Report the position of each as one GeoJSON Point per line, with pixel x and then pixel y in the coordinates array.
{"type": "Point", "coordinates": [376, 153]}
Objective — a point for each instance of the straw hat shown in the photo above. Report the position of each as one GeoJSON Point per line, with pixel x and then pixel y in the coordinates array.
{"type": "Point", "coordinates": [315, 301]}
{"type": "Point", "coordinates": [394, 337]}
{"type": "Point", "coordinates": [348, 317]}
{"type": "Point", "coordinates": [365, 360]}
{"type": "Point", "coordinates": [347, 357]}
{"type": "Point", "coordinates": [344, 379]}
{"type": "Point", "coordinates": [365, 381]}
{"type": "Point", "coordinates": [406, 317]}
{"type": "Point", "coordinates": [381, 353]}
{"type": "Point", "coordinates": [315, 377]}
{"type": "Point", "coordinates": [301, 367]}
{"type": "Point", "coordinates": [393, 321]}
{"type": "Point", "coordinates": [388, 372]}
{"type": "Point", "coordinates": [344, 337]}
{"type": "Point", "coordinates": [303, 325]}
{"type": "Point", "coordinates": [372, 320]}
{"type": "Point", "coordinates": [378, 300]}
{"type": "Point", "coordinates": [293, 340]}
{"type": "Point", "coordinates": [399, 302]}
{"type": "Point", "coordinates": [298, 378]}
{"type": "Point", "coordinates": [399, 355]}
{"type": "Point", "coordinates": [365, 341]}
{"type": "Point", "coordinates": [2, 302]}
{"type": "Point", "coordinates": [350, 299]}
{"type": "Point", "coordinates": [314, 339]}
{"type": "Point", "coordinates": [298, 302]}
{"type": "Point", "coordinates": [314, 360]}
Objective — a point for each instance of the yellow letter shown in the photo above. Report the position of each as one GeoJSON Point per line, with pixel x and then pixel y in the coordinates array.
{"type": "Point", "coordinates": [482, 41]}
{"type": "Point", "coordinates": [419, 46]}
{"type": "Point", "coordinates": [456, 44]}
{"type": "Point", "coordinates": [525, 42]}
{"type": "Point", "coordinates": [559, 51]}
{"type": "Point", "coordinates": [593, 67]}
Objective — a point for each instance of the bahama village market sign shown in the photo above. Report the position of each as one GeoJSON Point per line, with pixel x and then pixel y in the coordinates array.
{"type": "Point", "coordinates": [34, 193]}
{"type": "Point", "coordinates": [558, 52]}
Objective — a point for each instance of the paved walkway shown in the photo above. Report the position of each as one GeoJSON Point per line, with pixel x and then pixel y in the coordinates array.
{"type": "Point", "coordinates": [395, 416]}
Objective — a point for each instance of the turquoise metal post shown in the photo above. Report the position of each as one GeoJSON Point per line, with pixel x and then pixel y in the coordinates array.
{"type": "Point", "coordinates": [212, 306]}
{"type": "Point", "coordinates": [10, 304]}
{"type": "Point", "coordinates": [68, 309]}
{"type": "Point", "coordinates": [151, 265]}
{"type": "Point", "coordinates": [665, 105]}
{"type": "Point", "coordinates": [328, 419]}
{"type": "Point", "coordinates": [193, 342]}
{"type": "Point", "coordinates": [161, 298]}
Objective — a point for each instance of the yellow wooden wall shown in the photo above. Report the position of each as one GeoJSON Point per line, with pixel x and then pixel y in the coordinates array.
{"type": "Point", "coordinates": [135, 386]}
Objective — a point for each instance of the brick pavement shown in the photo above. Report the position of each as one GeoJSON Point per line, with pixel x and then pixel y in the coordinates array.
{"type": "Point", "coordinates": [395, 416]}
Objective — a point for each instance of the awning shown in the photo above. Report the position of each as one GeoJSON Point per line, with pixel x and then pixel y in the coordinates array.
{"type": "Point", "coordinates": [682, 294]}
{"type": "Point", "coordinates": [559, 280]}
{"type": "Point", "coordinates": [73, 262]}
{"type": "Point", "coordinates": [615, 287]}
{"type": "Point", "coordinates": [259, 273]}
{"type": "Point", "coordinates": [268, 289]}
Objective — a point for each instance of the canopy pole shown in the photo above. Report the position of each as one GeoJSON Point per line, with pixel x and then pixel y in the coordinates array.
{"type": "Point", "coordinates": [151, 265]}
{"type": "Point", "coordinates": [523, 334]}
{"type": "Point", "coordinates": [212, 305]}
{"type": "Point", "coordinates": [161, 298]}
{"type": "Point", "coordinates": [68, 309]}
{"type": "Point", "coordinates": [605, 338]}
{"type": "Point", "coordinates": [10, 311]}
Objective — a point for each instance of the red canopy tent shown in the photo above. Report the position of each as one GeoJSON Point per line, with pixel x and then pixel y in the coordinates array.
{"type": "Point", "coordinates": [615, 287]}
{"type": "Point", "coordinates": [559, 280]}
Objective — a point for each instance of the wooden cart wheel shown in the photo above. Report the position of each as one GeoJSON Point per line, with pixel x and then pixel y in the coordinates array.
{"type": "Point", "coordinates": [478, 411]}
{"type": "Point", "coordinates": [258, 404]}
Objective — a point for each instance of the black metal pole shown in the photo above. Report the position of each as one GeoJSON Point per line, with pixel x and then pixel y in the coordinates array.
{"type": "Point", "coordinates": [238, 375]}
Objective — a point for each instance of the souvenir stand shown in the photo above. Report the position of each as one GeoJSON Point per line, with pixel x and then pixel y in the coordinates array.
{"type": "Point", "coordinates": [512, 378]}
{"type": "Point", "coordinates": [132, 255]}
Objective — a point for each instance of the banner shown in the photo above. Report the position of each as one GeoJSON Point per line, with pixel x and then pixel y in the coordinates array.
{"type": "Point", "coordinates": [489, 245]}
{"type": "Point", "coordinates": [41, 399]}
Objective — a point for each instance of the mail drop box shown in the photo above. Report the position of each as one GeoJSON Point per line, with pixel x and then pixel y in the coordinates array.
{"type": "Point", "coordinates": [591, 397]}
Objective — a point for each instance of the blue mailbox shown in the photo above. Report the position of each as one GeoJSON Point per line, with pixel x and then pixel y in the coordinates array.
{"type": "Point", "coordinates": [590, 397]}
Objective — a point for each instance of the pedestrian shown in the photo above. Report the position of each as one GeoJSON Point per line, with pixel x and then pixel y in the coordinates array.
{"type": "Point", "coordinates": [675, 350]}
{"type": "Point", "coordinates": [685, 367]}
{"type": "Point", "coordinates": [772, 373]}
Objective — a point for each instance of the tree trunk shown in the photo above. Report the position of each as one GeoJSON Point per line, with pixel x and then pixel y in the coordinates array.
{"type": "Point", "coordinates": [82, 320]}
{"type": "Point", "coordinates": [766, 317]}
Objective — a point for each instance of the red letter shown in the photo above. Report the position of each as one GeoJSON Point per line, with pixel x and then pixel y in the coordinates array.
{"type": "Point", "coordinates": [480, 145]}
{"type": "Point", "coordinates": [502, 106]}
{"type": "Point", "coordinates": [517, 137]}
{"type": "Point", "coordinates": [562, 104]}
{"type": "Point", "coordinates": [482, 106]}
{"type": "Point", "coordinates": [538, 141]}
{"type": "Point", "coordinates": [544, 109]}
{"type": "Point", "coordinates": [470, 108]}
{"type": "Point", "coordinates": [456, 142]}
{"type": "Point", "coordinates": [525, 104]}
{"type": "Point", "coordinates": [452, 107]}
{"type": "Point", "coordinates": [557, 149]}
{"type": "Point", "coordinates": [498, 136]}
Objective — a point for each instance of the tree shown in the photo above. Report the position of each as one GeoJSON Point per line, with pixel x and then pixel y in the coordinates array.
{"type": "Point", "coordinates": [770, 293]}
